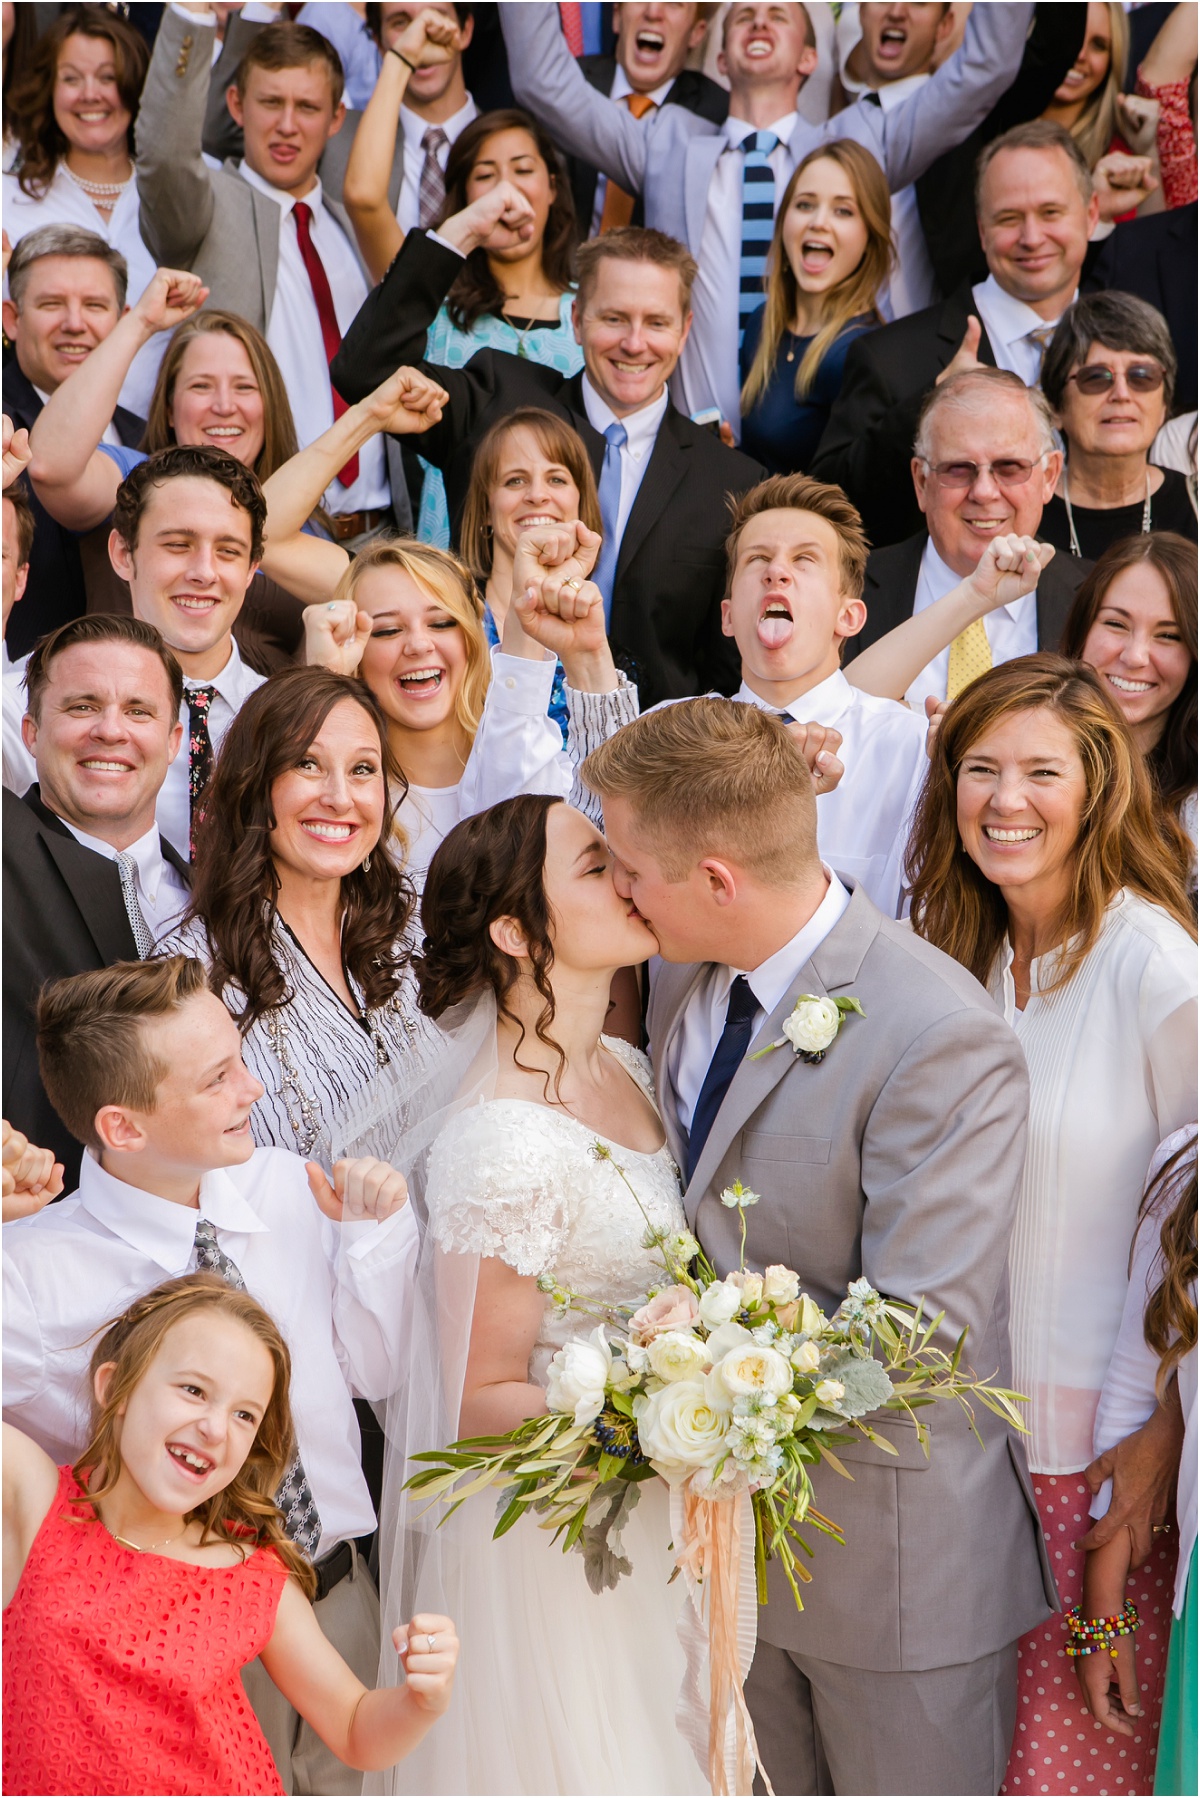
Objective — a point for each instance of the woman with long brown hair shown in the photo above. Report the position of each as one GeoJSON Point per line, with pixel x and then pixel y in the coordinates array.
{"type": "Point", "coordinates": [830, 257]}
{"type": "Point", "coordinates": [1037, 860]}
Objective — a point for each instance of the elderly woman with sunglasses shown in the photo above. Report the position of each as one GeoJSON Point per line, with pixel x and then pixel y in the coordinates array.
{"type": "Point", "coordinates": [1109, 374]}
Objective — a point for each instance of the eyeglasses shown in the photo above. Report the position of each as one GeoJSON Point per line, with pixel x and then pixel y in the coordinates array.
{"type": "Point", "coordinates": [1009, 471]}
{"type": "Point", "coordinates": [1098, 377]}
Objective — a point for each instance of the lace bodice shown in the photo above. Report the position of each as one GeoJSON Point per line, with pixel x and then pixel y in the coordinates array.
{"type": "Point", "coordinates": [514, 1179]}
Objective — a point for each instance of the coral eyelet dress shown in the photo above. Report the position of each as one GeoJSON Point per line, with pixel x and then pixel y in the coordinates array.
{"type": "Point", "coordinates": [121, 1670]}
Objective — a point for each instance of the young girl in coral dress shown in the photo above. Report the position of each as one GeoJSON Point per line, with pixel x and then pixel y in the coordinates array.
{"type": "Point", "coordinates": [139, 1583]}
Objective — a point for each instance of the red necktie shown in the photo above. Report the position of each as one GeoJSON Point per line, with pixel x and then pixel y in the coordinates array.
{"type": "Point", "coordinates": [331, 337]}
{"type": "Point", "coordinates": [571, 13]}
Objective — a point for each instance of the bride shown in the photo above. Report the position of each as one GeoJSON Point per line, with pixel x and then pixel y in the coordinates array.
{"type": "Point", "coordinates": [561, 1688]}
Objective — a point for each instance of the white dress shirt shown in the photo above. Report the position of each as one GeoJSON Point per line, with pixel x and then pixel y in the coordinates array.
{"type": "Point", "coordinates": [863, 825]}
{"type": "Point", "coordinates": [913, 283]}
{"type": "Point", "coordinates": [294, 334]}
{"type": "Point", "coordinates": [19, 771]}
{"type": "Point", "coordinates": [1112, 1071]}
{"type": "Point", "coordinates": [341, 1306]}
{"type": "Point", "coordinates": [621, 87]}
{"type": "Point", "coordinates": [1009, 324]}
{"type": "Point", "coordinates": [708, 368]}
{"type": "Point", "coordinates": [694, 1043]}
{"type": "Point", "coordinates": [413, 128]}
{"type": "Point", "coordinates": [234, 685]}
{"type": "Point", "coordinates": [161, 890]}
{"type": "Point", "coordinates": [641, 431]}
{"type": "Point", "coordinates": [1011, 629]}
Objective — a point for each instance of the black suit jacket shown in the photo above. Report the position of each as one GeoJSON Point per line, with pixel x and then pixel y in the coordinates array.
{"type": "Point", "coordinates": [891, 590]}
{"type": "Point", "coordinates": [63, 914]}
{"type": "Point", "coordinates": [867, 444]}
{"type": "Point", "coordinates": [69, 571]}
{"type": "Point", "coordinates": [1155, 258]}
{"type": "Point", "coordinates": [666, 615]}
{"type": "Point", "coordinates": [708, 99]}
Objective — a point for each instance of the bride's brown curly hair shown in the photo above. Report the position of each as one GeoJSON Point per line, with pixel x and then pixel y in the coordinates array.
{"type": "Point", "coordinates": [488, 867]}
{"type": "Point", "coordinates": [1170, 1324]}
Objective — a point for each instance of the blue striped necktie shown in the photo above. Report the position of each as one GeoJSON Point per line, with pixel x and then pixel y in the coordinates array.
{"type": "Point", "coordinates": [758, 221]}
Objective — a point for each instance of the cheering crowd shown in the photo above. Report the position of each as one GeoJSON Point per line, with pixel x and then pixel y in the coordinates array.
{"type": "Point", "coordinates": [537, 540]}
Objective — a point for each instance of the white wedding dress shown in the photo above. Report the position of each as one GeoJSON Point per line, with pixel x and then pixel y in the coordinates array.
{"type": "Point", "coordinates": [559, 1689]}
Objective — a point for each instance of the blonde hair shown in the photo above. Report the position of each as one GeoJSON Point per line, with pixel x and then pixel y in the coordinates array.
{"type": "Point", "coordinates": [858, 293]}
{"type": "Point", "coordinates": [800, 493]}
{"type": "Point", "coordinates": [1096, 125]}
{"type": "Point", "coordinates": [556, 440]}
{"type": "Point", "coordinates": [713, 776]}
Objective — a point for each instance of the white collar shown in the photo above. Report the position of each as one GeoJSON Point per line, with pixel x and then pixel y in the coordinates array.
{"type": "Point", "coordinates": [1012, 318]}
{"type": "Point", "coordinates": [940, 579]}
{"type": "Point", "coordinates": [159, 1228]}
{"type": "Point", "coordinates": [146, 853]}
{"type": "Point", "coordinates": [825, 703]}
{"type": "Point", "coordinates": [235, 683]}
{"type": "Point", "coordinates": [771, 981]}
{"type": "Point", "coordinates": [285, 202]}
{"type": "Point", "coordinates": [641, 426]}
{"type": "Point", "coordinates": [891, 93]}
{"type": "Point", "coordinates": [622, 86]}
{"type": "Point", "coordinates": [738, 130]}
{"type": "Point", "coordinates": [414, 126]}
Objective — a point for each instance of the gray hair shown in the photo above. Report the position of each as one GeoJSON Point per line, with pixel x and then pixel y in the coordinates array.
{"type": "Point", "coordinates": [1036, 134]}
{"type": "Point", "coordinates": [1117, 321]}
{"type": "Point", "coordinates": [977, 390]}
{"type": "Point", "coordinates": [64, 240]}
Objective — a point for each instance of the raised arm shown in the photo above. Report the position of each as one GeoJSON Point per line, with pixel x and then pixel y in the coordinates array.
{"type": "Point", "coordinates": [75, 481]}
{"type": "Point", "coordinates": [547, 79]}
{"type": "Point", "coordinates": [174, 181]}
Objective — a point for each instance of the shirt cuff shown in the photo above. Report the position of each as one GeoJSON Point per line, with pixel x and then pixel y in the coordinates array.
{"type": "Point", "coordinates": [594, 717]}
{"type": "Point", "coordinates": [452, 247]}
{"type": "Point", "coordinates": [194, 18]}
{"type": "Point", "coordinates": [398, 1234]}
{"type": "Point", "coordinates": [520, 686]}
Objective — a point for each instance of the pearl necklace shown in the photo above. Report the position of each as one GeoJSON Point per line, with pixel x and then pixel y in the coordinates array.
{"type": "Point", "coordinates": [103, 193]}
{"type": "Point", "coordinates": [1075, 549]}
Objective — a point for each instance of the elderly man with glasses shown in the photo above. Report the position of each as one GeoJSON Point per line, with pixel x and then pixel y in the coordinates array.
{"type": "Point", "coordinates": [985, 463]}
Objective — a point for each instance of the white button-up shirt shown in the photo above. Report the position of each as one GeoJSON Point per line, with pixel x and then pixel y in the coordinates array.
{"type": "Point", "coordinates": [621, 88]}
{"type": "Point", "coordinates": [641, 431]}
{"type": "Point", "coordinates": [1011, 629]}
{"type": "Point", "coordinates": [694, 1043]}
{"type": "Point", "coordinates": [413, 128]}
{"type": "Point", "coordinates": [234, 685]}
{"type": "Point", "coordinates": [294, 334]}
{"type": "Point", "coordinates": [162, 893]}
{"type": "Point", "coordinates": [708, 369]}
{"type": "Point", "coordinates": [19, 771]}
{"type": "Point", "coordinates": [863, 825]}
{"type": "Point", "coordinates": [1009, 323]}
{"type": "Point", "coordinates": [342, 1308]}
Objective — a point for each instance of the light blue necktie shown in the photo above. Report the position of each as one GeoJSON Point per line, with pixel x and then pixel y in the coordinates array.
{"type": "Point", "coordinates": [758, 222]}
{"type": "Point", "coordinates": [615, 438]}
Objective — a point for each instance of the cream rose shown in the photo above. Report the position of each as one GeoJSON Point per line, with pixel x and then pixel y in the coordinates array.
{"type": "Point", "coordinates": [806, 1357]}
{"type": "Point", "coordinates": [674, 1308]}
{"type": "Point", "coordinates": [750, 1287]}
{"type": "Point", "coordinates": [812, 1025]}
{"type": "Point", "coordinates": [780, 1285]}
{"type": "Point", "coordinates": [718, 1303]}
{"type": "Point", "coordinates": [680, 1430]}
{"type": "Point", "coordinates": [828, 1392]}
{"type": "Point", "coordinates": [578, 1375]}
{"type": "Point", "coordinates": [754, 1372]}
{"type": "Point", "coordinates": [677, 1355]}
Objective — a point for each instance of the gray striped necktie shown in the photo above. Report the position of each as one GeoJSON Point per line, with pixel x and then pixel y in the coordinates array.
{"type": "Point", "coordinates": [301, 1519]}
{"type": "Point", "coordinates": [142, 934]}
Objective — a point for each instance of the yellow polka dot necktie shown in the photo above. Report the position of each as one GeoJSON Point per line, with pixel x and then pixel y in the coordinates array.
{"type": "Point", "coordinates": [970, 656]}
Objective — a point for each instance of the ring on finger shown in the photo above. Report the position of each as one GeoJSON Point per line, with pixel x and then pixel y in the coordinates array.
{"type": "Point", "coordinates": [574, 583]}
{"type": "Point", "coordinates": [431, 1643]}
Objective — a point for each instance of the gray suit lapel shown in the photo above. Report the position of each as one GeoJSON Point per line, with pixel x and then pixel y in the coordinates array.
{"type": "Point", "coordinates": [703, 154]}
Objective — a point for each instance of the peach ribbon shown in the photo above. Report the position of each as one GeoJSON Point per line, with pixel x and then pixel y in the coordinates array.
{"type": "Point", "coordinates": [718, 1629]}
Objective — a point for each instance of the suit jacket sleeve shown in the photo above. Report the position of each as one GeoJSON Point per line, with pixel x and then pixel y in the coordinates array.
{"type": "Point", "coordinates": [547, 80]}
{"type": "Point", "coordinates": [222, 137]}
{"type": "Point", "coordinates": [942, 1156]}
{"type": "Point", "coordinates": [174, 182]}
{"type": "Point", "coordinates": [867, 444]}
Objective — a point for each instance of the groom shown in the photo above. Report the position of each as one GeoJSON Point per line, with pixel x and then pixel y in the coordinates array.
{"type": "Point", "coordinates": [897, 1157]}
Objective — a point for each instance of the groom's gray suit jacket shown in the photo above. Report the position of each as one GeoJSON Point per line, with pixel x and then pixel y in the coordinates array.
{"type": "Point", "coordinates": [898, 1157]}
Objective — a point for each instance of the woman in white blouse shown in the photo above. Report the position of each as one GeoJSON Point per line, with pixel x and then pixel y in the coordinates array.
{"type": "Point", "coordinates": [71, 115]}
{"type": "Point", "coordinates": [1036, 862]}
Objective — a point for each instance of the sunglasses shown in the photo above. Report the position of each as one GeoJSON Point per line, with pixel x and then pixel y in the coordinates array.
{"type": "Point", "coordinates": [1010, 471]}
{"type": "Point", "coordinates": [1098, 377]}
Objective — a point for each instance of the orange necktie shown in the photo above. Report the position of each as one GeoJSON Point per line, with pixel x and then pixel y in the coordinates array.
{"type": "Point", "coordinates": [618, 205]}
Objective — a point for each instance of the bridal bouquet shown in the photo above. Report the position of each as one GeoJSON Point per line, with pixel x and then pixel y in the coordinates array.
{"type": "Point", "coordinates": [731, 1391]}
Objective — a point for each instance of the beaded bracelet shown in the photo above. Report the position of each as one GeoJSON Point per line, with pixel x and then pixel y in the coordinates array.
{"type": "Point", "coordinates": [1088, 1635]}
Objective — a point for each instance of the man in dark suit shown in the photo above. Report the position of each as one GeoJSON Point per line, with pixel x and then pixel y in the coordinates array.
{"type": "Point", "coordinates": [646, 71]}
{"type": "Point", "coordinates": [984, 464]}
{"type": "Point", "coordinates": [1036, 210]}
{"type": "Point", "coordinates": [1155, 258]}
{"type": "Point", "coordinates": [67, 292]}
{"type": "Point", "coordinates": [103, 724]}
{"type": "Point", "coordinates": [664, 481]}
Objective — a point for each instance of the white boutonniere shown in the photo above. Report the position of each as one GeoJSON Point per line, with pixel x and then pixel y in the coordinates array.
{"type": "Point", "coordinates": [812, 1026]}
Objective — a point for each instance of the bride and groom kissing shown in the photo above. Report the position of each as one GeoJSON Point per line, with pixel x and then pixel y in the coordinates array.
{"type": "Point", "coordinates": [895, 1155]}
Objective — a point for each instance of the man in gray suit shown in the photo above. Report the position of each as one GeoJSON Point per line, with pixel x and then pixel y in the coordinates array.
{"type": "Point", "coordinates": [696, 177]}
{"type": "Point", "coordinates": [897, 1157]}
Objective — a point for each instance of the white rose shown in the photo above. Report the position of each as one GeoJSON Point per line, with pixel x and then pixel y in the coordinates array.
{"type": "Point", "coordinates": [752, 1289]}
{"type": "Point", "coordinates": [680, 1430]}
{"type": "Point", "coordinates": [730, 1336]}
{"type": "Point", "coordinates": [677, 1355]}
{"type": "Point", "coordinates": [780, 1285]}
{"type": "Point", "coordinates": [578, 1375]}
{"type": "Point", "coordinates": [718, 1304]}
{"type": "Point", "coordinates": [756, 1372]}
{"type": "Point", "coordinates": [806, 1357]}
{"type": "Point", "coordinates": [812, 1025]}
{"type": "Point", "coordinates": [828, 1392]}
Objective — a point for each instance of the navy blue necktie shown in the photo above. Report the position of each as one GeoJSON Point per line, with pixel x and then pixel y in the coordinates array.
{"type": "Point", "coordinates": [758, 222]}
{"type": "Point", "coordinates": [727, 1058]}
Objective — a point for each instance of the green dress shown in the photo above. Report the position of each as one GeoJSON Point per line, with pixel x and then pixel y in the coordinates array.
{"type": "Point", "coordinates": [1175, 1771]}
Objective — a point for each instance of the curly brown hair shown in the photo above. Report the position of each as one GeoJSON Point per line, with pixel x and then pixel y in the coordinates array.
{"type": "Point", "coordinates": [244, 1513]}
{"type": "Point", "coordinates": [490, 866]}
{"type": "Point", "coordinates": [29, 109]}
{"type": "Point", "coordinates": [235, 884]}
{"type": "Point", "coordinates": [1170, 1321]}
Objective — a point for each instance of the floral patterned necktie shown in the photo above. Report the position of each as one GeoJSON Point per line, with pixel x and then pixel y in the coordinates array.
{"type": "Point", "coordinates": [200, 757]}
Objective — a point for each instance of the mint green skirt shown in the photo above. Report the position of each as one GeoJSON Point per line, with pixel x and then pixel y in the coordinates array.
{"type": "Point", "coordinates": [1175, 1771]}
